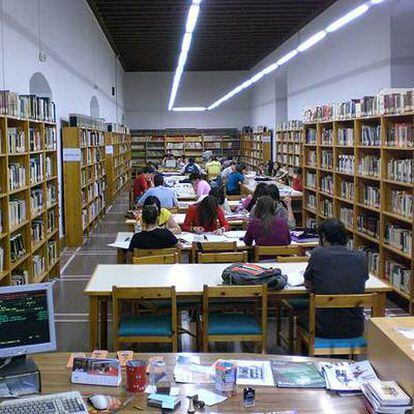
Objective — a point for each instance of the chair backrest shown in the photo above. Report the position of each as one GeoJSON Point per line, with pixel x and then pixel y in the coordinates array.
{"type": "Point", "coordinates": [293, 259]}
{"type": "Point", "coordinates": [224, 257]}
{"type": "Point", "coordinates": [216, 247]}
{"type": "Point", "coordinates": [173, 210]}
{"type": "Point", "coordinates": [156, 252]}
{"type": "Point", "coordinates": [163, 259]}
{"type": "Point", "coordinates": [365, 300]}
{"type": "Point", "coordinates": [276, 251]}
{"type": "Point", "coordinates": [234, 197]}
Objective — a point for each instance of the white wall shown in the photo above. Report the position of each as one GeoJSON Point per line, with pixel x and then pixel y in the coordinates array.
{"type": "Point", "coordinates": [350, 63]}
{"type": "Point", "coordinates": [147, 95]}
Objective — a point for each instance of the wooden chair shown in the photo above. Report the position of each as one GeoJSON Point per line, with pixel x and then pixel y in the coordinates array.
{"type": "Point", "coordinates": [276, 251]}
{"type": "Point", "coordinates": [230, 326]}
{"type": "Point", "coordinates": [234, 197]}
{"type": "Point", "coordinates": [210, 247]}
{"type": "Point", "coordinates": [224, 257]}
{"type": "Point", "coordinates": [164, 259]}
{"type": "Point", "coordinates": [293, 259]}
{"type": "Point", "coordinates": [138, 253]}
{"type": "Point", "coordinates": [333, 346]}
{"type": "Point", "coordinates": [145, 327]}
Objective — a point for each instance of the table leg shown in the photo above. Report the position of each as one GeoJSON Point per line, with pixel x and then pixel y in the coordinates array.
{"type": "Point", "coordinates": [103, 310]}
{"type": "Point", "coordinates": [93, 322]}
{"type": "Point", "coordinates": [121, 256]}
{"type": "Point", "coordinates": [379, 309]}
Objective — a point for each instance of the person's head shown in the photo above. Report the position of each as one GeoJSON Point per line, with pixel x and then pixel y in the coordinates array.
{"type": "Point", "coordinates": [169, 156]}
{"type": "Point", "coordinates": [241, 168]}
{"type": "Point", "coordinates": [138, 171]}
{"type": "Point", "coordinates": [148, 171]}
{"type": "Point", "coordinates": [332, 232]}
{"type": "Point", "coordinates": [158, 180]}
{"type": "Point", "coordinates": [266, 212]}
{"type": "Point", "coordinates": [230, 158]}
{"type": "Point", "coordinates": [150, 215]}
{"type": "Point", "coordinates": [297, 172]}
{"type": "Point", "coordinates": [207, 210]}
{"type": "Point", "coordinates": [191, 160]}
{"type": "Point", "coordinates": [276, 166]}
{"type": "Point", "coordinates": [273, 191]}
{"type": "Point", "coordinates": [219, 193]}
{"type": "Point", "coordinates": [260, 191]}
{"type": "Point", "coordinates": [195, 177]}
{"type": "Point", "coordinates": [214, 158]}
{"type": "Point", "coordinates": [153, 201]}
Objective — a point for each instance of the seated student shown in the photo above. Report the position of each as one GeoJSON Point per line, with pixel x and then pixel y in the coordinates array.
{"type": "Point", "coordinates": [227, 171]}
{"type": "Point", "coordinates": [261, 169]}
{"type": "Point", "coordinates": [181, 163]}
{"type": "Point", "coordinates": [152, 237]}
{"type": "Point", "coordinates": [166, 195]}
{"type": "Point", "coordinates": [227, 162]}
{"type": "Point", "coordinates": [190, 167]}
{"type": "Point", "coordinates": [297, 179]}
{"type": "Point", "coordinates": [213, 168]}
{"type": "Point", "coordinates": [165, 218]}
{"type": "Point", "coordinates": [220, 194]}
{"type": "Point", "coordinates": [142, 181]}
{"type": "Point", "coordinates": [169, 161]}
{"type": "Point", "coordinates": [250, 201]}
{"type": "Point", "coordinates": [333, 269]}
{"type": "Point", "coordinates": [201, 187]}
{"type": "Point", "coordinates": [235, 179]}
{"type": "Point", "coordinates": [277, 171]}
{"type": "Point", "coordinates": [205, 216]}
{"type": "Point", "coordinates": [267, 228]}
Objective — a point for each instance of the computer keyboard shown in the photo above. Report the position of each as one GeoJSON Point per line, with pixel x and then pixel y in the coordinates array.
{"type": "Point", "coordinates": [64, 403]}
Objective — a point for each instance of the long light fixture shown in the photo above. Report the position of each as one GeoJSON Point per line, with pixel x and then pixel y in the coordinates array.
{"type": "Point", "coordinates": [189, 109]}
{"type": "Point", "coordinates": [307, 44]}
{"type": "Point", "coordinates": [191, 23]}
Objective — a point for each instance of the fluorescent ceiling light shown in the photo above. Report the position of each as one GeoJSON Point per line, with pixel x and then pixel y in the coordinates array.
{"type": "Point", "coordinates": [312, 41]}
{"type": "Point", "coordinates": [270, 68]}
{"type": "Point", "coordinates": [287, 57]}
{"type": "Point", "coordinates": [185, 47]}
{"type": "Point", "coordinates": [353, 14]}
{"type": "Point", "coordinates": [192, 18]}
{"type": "Point", "coordinates": [190, 109]}
{"type": "Point", "coordinates": [376, 1]}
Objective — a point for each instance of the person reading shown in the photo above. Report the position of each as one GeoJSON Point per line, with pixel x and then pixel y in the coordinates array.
{"type": "Point", "coordinates": [235, 179]}
{"type": "Point", "coordinates": [165, 218]}
{"type": "Point", "coordinates": [142, 181]}
{"type": "Point", "coordinates": [213, 168]}
{"type": "Point", "coordinates": [201, 187]}
{"type": "Point", "coordinates": [267, 228]}
{"type": "Point", "coordinates": [152, 237]}
{"type": "Point", "coordinates": [166, 195]}
{"type": "Point", "coordinates": [333, 269]}
{"type": "Point", "coordinates": [220, 194]}
{"type": "Point", "coordinates": [205, 216]}
{"type": "Point", "coordinates": [250, 201]}
{"type": "Point", "coordinates": [190, 167]}
{"type": "Point", "coordinates": [297, 180]}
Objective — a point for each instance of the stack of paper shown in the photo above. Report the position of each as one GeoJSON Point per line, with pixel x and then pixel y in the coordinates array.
{"type": "Point", "coordinates": [257, 373]}
{"type": "Point", "coordinates": [188, 370]}
{"type": "Point", "coordinates": [385, 397]}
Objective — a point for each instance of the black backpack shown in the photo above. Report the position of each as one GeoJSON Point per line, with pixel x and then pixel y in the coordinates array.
{"type": "Point", "coordinates": [252, 274]}
{"type": "Point", "coordinates": [191, 168]}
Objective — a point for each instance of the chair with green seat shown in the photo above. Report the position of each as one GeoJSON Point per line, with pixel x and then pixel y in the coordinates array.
{"type": "Point", "coordinates": [148, 327]}
{"type": "Point", "coordinates": [231, 326]}
{"type": "Point", "coordinates": [334, 346]}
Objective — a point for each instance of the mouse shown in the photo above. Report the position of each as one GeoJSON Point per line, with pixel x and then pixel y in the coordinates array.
{"type": "Point", "coordinates": [100, 402]}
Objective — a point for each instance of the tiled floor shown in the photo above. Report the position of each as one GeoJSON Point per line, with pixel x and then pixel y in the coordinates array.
{"type": "Point", "coordinates": [71, 304]}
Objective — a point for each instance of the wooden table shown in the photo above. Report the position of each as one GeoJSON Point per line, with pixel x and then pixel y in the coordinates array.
{"type": "Point", "coordinates": [188, 280]}
{"type": "Point", "coordinates": [285, 190]}
{"type": "Point", "coordinates": [56, 378]}
{"type": "Point", "coordinates": [390, 352]}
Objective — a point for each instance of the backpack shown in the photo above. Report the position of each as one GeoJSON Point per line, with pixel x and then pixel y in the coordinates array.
{"type": "Point", "coordinates": [251, 274]}
{"type": "Point", "coordinates": [191, 168]}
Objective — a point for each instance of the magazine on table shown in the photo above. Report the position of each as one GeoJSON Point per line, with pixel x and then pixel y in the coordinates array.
{"type": "Point", "coordinates": [289, 374]}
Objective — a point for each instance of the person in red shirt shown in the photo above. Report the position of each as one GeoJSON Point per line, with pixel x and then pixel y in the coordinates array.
{"type": "Point", "coordinates": [205, 216]}
{"type": "Point", "coordinates": [297, 180]}
{"type": "Point", "coordinates": [141, 182]}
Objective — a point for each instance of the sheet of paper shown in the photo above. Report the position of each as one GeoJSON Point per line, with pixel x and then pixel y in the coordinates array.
{"type": "Point", "coordinates": [257, 373]}
{"type": "Point", "coordinates": [210, 398]}
{"type": "Point", "coordinates": [234, 234]}
{"type": "Point", "coordinates": [122, 241]}
{"type": "Point", "coordinates": [296, 278]}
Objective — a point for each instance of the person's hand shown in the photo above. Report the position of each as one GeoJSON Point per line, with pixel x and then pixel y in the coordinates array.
{"type": "Point", "coordinates": [176, 230]}
{"type": "Point", "coordinates": [288, 200]}
{"type": "Point", "coordinates": [219, 231]}
{"type": "Point", "coordinates": [198, 230]}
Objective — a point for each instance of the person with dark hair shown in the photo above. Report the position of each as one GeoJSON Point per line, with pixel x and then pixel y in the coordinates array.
{"type": "Point", "coordinates": [297, 179]}
{"type": "Point", "coordinates": [277, 171]}
{"type": "Point", "coordinates": [165, 218]}
{"type": "Point", "coordinates": [201, 187]}
{"type": "Point", "coordinates": [235, 179]}
{"type": "Point", "coordinates": [151, 236]}
{"type": "Point", "coordinates": [220, 194]}
{"type": "Point", "coordinates": [169, 161]}
{"type": "Point", "coordinates": [227, 162]}
{"type": "Point", "coordinates": [227, 171]}
{"type": "Point", "coordinates": [142, 181]}
{"type": "Point", "coordinates": [213, 168]}
{"type": "Point", "coordinates": [166, 195]}
{"type": "Point", "coordinates": [205, 216]}
{"type": "Point", "coordinates": [267, 229]}
{"type": "Point", "coordinates": [190, 167]}
{"type": "Point", "coordinates": [333, 269]}
{"type": "Point", "coordinates": [250, 201]}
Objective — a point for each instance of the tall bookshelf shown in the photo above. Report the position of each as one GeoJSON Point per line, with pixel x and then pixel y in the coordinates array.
{"type": "Point", "coordinates": [361, 171]}
{"type": "Point", "coordinates": [256, 148]}
{"type": "Point", "coordinates": [29, 213]}
{"type": "Point", "coordinates": [118, 162]}
{"type": "Point", "coordinates": [289, 141]}
{"type": "Point", "coordinates": [84, 180]}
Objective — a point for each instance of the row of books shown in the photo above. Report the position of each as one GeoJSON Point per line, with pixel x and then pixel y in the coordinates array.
{"type": "Point", "coordinates": [36, 201]}
{"type": "Point", "coordinates": [368, 223]}
{"type": "Point", "coordinates": [311, 136]}
{"type": "Point", "coordinates": [51, 221]}
{"type": "Point", "coordinates": [38, 231]}
{"type": "Point", "coordinates": [1, 259]}
{"type": "Point", "coordinates": [92, 138]}
{"type": "Point", "coordinates": [327, 136]}
{"type": "Point", "coordinates": [117, 128]}
{"type": "Point", "coordinates": [49, 167]}
{"type": "Point", "coordinates": [400, 135]}
{"type": "Point", "coordinates": [346, 215]}
{"type": "Point", "coordinates": [310, 180]}
{"type": "Point", "coordinates": [327, 159]}
{"type": "Point", "coordinates": [17, 212]}
{"type": "Point", "coordinates": [399, 237]}
{"type": "Point", "coordinates": [373, 259]}
{"type": "Point", "coordinates": [347, 190]}
{"type": "Point", "coordinates": [387, 101]}
{"type": "Point", "coordinates": [401, 170]}
{"type": "Point", "coordinates": [35, 140]}
{"type": "Point", "coordinates": [17, 248]}
{"type": "Point", "coordinates": [398, 275]}
{"type": "Point", "coordinates": [85, 121]}
{"type": "Point", "coordinates": [346, 163]}
{"type": "Point", "coordinates": [311, 158]}
{"type": "Point", "coordinates": [39, 265]}
{"type": "Point", "coordinates": [370, 166]}
{"type": "Point", "coordinates": [52, 251]}
{"type": "Point", "coordinates": [16, 139]}
{"type": "Point", "coordinates": [19, 277]}
{"type": "Point", "coordinates": [371, 135]}
{"type": "Point", "coordinates": [311, 201]}
{"type": "Point", "coordinates": [36, 169]}
{"type": "Point", "coordinates": [51, 194]}
{"type": "Point", "coordinates": [402, 203]}
{"type": "Point", "coordinates": [17, 176]}
{"type": "Point", "coordinates": [327, 208]}
{"type": "Point", "coordinates": [345, 137]}
{"type": "Point", "coordinates": [289, 125]}
{"type": "Point", "coordinates": [50, 138]}
{"type": "Point", "coordinates": [371, 195]}
{"type": "Point", "coordinates": [327, 184]}
{"type": "Point", "coordinates": [27, 106]}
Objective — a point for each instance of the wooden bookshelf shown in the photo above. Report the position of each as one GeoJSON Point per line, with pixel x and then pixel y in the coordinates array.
{"type": "Point", "coordinates": [347, 173]}
{"type": "Point", "coordinates": [118, 163]}
{"type": "Point", "coordinates": [256, 148]}
{"type": "Point", "coordinates": [84, 180]}
{"type": "Point", "coordinates": [38, 221]}
{"type": "Point", "coordinates": [289, 141]}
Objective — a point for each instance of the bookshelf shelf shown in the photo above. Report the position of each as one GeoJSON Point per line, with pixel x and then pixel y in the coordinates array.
{"type": "Point", "coordinates": [256, 148]}
{"type": "Point", "coordinates": [367, 189]}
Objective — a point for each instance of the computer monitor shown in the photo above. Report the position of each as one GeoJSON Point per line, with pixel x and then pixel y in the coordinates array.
{"type": "Point", "coordinates": [27, 321]}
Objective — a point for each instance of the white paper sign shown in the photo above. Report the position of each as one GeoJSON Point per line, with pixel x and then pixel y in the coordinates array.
{"type": "Point", "coordinates": [109, 149]}
{"type": "Point", "coordinates": [71, 154]}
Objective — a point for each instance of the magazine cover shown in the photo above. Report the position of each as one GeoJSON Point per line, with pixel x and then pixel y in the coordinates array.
{"type": "Point", "coordinates": [96, 371]}
{"type": "Point", "coordinates": [297, 375]}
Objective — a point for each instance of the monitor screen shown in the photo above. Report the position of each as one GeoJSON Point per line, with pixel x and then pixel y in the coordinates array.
{"type": "Point", "coordinates": [27, 323]}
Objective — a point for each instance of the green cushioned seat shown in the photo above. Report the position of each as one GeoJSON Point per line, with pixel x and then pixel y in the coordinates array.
{"type": "Point", "coordinates": [357, 342]}
{"type": "Point", "coordinates": [145, 325]}
{"type": "Point", "coordinates": [232, 324]}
